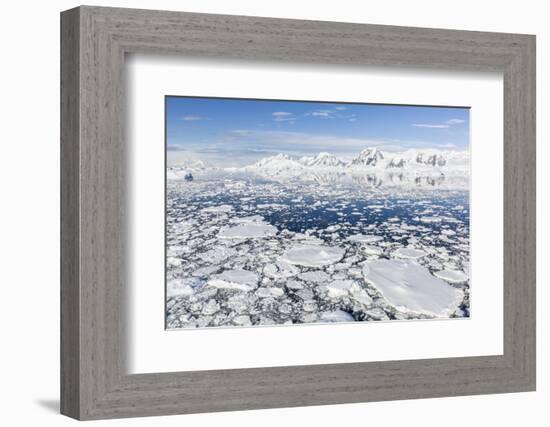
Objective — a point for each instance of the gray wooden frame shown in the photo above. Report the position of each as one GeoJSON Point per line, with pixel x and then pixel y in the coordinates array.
{"type": "Point", "coordinates": [94, 41]}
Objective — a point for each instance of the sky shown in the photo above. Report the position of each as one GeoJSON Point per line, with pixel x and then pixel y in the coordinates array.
{"type": "Point", "coordinates": [236, 132]}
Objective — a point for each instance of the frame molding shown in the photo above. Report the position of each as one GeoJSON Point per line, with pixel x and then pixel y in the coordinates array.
{"type": "Point", "coordinates": [94, 41]}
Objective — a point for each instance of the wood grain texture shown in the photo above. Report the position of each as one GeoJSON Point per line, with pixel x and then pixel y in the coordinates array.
{"type": "Point", "coordinates": [70, 291]}
{"type": "Point", "coordinates": [94, 272]}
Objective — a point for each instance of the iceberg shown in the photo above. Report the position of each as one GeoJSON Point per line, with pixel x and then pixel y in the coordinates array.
{"type": "Point", "coordinates": [179, 287]}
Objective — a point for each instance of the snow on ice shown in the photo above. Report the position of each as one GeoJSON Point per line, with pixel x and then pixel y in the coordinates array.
{"type": "Point", "coordinates": [452, 276]}
{"type": "Point", "coordinates": [248, 231]}
{"type": "Point", "coordinates": [410, 287]}
{"type": "Point", "coordinates": [409, 253]}
{"type": "Point", "coordinates": [312, 255]}
{"type": "Point", "coordinates": [238, 279]}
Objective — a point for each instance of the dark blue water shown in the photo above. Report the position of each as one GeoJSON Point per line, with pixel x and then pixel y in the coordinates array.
{"type": "Point", "coordinates": [355, 211]}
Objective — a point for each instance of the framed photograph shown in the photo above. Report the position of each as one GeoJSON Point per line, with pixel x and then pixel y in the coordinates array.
{"type": "Point", "coordinates": [263, 227]}
{"type": "Point", "coordinates": [262, 213]}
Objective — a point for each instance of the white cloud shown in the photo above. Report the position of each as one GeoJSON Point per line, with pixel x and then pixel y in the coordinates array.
{"type": "Point", "coordinates": [325, 114]}
{"type": "Point", "coordinates": [242, 132]}
{"type": "Point", "coordinates": [242, 147]}
{"type": "Point", "coordinates": [174, 148]}
{"type": "Point", "coordinates": [431, 126]}
{"type": "Point", "coordinates": [283, 116]}
{"type": "Point", "coordinates": [322, 113]}
{"type": "Point", "coordinates": [335, 113]}
{"type": "Point", "coordinates": [303, 142]}
{"type": "Point", "coordinates": [301, 139]}
{"type": "Point", "coordinates": [192, 118]}
{"type": "Point", "coordinates": [444, 125]}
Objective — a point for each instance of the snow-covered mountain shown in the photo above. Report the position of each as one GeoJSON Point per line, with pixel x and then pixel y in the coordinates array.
{"type": "Point", "coordinates": [373, 159]}
{"type": "Point", "coordinates": [397, 163]}
{"type": "Point", "coordinates": [322, 159]}
{"type": "Point", "coordinates": [431, 159]}
{"type": "Point", "coordinates": [278, 161]}
{"type": "Point", "coordinates": [371, 167]}
{"type": "Point", "coordinates": [367, 157]}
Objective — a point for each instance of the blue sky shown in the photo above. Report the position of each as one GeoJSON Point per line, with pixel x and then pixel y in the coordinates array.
{"type": "Point", "coordinates": [240, 131]}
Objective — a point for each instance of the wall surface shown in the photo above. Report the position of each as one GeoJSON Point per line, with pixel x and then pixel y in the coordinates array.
{"type": "Point", "coordinates": [29, 212]}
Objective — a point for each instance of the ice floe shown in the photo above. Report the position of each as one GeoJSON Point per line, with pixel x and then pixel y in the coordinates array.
{"type": "Point", "coordinates": [362, 238]}
{"type": "Point", "coordinates": [217, 254]}
{"type": "Point", "coordinates": [448, 232]}
{"type": "Point", "coordinates": [317, 276]}
{"type": "Point", "coordinates": [408, 286]}
{"type": "Point", "coordinates": [451, 276]}
{"type": "Point", "coordinates": [240, 280]}
{"type": "Point", "coordinates": [336, 316]}
{"type": "Point", "coordinates": [178, 287]}
{"type": "Point", "coordinates": [242, 320]}
{"type": "Point", "coordinates": [339, 288]}
{"type": "Point", "coordinates": [218, 209]}
{"type": "Point", "coordinates": [372, 250]}
{"type": "Point", "coordinates": [270, 292]}
{"type": "Point", "coordinates": [409, 253]}
{"type": "Point", "coordinates": [350, 289]}
{"type": "Point", "coordinates": [430, 219]}
{"type": "Point", "coordinates": [247, 219]}
{"type": "Point", "coordinates": [313, 255]}
{"type": "Point", "coordinates": [251, 230]}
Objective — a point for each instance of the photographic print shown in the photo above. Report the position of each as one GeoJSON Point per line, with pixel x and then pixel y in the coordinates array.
{"type": "Point", "coordinates": [286, 212]}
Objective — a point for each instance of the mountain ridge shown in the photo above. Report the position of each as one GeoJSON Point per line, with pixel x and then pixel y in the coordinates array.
{"type": "Point", "coordinates": [370, 159]}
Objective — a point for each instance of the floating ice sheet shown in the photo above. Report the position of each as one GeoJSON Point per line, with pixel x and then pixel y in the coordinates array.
{"type": "Point", "coordinates": [452, 276]}
{"type": "Point", "coordinates": [313, 255]}
{"type": "Point", "coordinates": [240, 280]}
{"type": "Point", "coordinates": [363, 238]}
{"type": "Point", "coordinates": [410, 287]}
{"type": "Point", "coordinates": [179, 287]}
{"type": "Point", "coordinates": [409, 253]}
{"type": "Point", "coordinates": [249, 230]}
{"type": "Point", "coordinates": [336, 316]}
{"type": "Point", "coordinates": [218, 209]}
